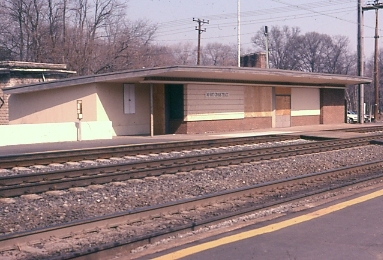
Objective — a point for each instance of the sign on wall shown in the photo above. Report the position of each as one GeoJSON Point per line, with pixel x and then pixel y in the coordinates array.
{"type": "Point", "coordinates": [129, 99]}
{"type": "Point", "coordinates": [217, 94]}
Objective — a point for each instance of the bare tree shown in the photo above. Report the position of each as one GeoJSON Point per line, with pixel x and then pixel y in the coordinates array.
{"type": "Point", "coordinates": [282, 46]}
{"type": "Point", "coordinates": [183, 54]}
{"type": "Point", "coordinates": [13, 27]}
{"type": "Point", "coordinates": [369, 90]}
{"type": "Point", "coordinates": [337, 56]}
{"type": "Point", "coordinates": [101, 38]}
{"type": "Point", "coordinates": [218, 54]}
{"type": "Point", "coordinates": [313, 50]}
{"type": "Point", "coordinates": [126, 46]}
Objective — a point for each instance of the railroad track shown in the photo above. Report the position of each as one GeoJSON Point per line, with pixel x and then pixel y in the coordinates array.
{"type": "Point", "coordinates": [45, 158]}
{"type": "Point", "coordinates": [247, 200]}
{"type": "Point", "coordinates": [369, 129]}
{"type": "Point", "coordinates": [17, 185]}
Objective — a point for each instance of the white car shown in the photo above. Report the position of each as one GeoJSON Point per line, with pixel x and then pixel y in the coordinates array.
{"type": "Point", "coordinates": [352, 117]}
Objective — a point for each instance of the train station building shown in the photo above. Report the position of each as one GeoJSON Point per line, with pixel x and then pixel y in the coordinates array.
{"type": "Point", "coordinates": [179, 100]}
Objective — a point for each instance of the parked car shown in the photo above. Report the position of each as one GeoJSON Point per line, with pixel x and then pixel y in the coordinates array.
{"type": "Point", "coordinates": [352, 117]}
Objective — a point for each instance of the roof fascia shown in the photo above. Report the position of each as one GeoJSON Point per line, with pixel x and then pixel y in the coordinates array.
{"type": "Point", "coordinates": [170, 80]}
{"type": "Point", "coordinates": [152, 75]}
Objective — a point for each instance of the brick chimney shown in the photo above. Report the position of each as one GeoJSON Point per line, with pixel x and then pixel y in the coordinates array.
{"type": "Point", "coordinates": [255, 60]}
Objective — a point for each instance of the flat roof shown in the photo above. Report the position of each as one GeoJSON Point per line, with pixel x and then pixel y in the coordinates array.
{"type": "Point", "coordinates": [7, 67]}
{"type": "Point", "coordinates": [203, 74]}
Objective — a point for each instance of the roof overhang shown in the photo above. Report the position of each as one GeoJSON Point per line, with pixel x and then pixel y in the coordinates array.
{"type": "Point", "coordinates": [204, 75]}
{"type": "Point", "coordinates": [170, 80]}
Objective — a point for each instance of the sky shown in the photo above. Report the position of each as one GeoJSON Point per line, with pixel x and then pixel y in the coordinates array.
{"type": "Point", "coordinates": [174, 19]}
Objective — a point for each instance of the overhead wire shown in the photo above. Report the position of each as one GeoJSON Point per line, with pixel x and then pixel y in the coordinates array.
{"type": "Point", "coordinates": [181, 24]}
{"type": "Point", "coordinates": [312, 10]}
{"type": "Point", "coordinates": [280, 18]}
{"type": "Point", "coordinates": [244, 14]}
{"type": "Point", "coordinates": [249, 22]}
{"type": "Point", "coordinates": [290, 12]}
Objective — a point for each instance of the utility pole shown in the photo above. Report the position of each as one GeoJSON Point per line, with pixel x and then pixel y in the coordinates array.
{"type": "Point", "coordinates": [375, 6]}
{"type": "Point", "coordinates": [200, 31]}
{"type": "Point", "coordinates": [376, 68]}
{"type": "Point", "coordinates": [267, 47]}
{"type": "Point", "coordinates": [360, 63]}
{"type": "Point", "coordinates": [239, 33]}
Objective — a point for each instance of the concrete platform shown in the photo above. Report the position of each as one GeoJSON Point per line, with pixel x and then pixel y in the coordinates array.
{"type": "Point", "coordinates": [313, 131]}
{"type": "Point", "coordinates": [351, 228]}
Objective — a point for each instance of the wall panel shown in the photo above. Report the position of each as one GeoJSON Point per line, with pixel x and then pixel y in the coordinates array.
{"type": "Point", "coordinates": [213, 102]}
{"type": "Point", "coordinates": [53, 106]}
{"type": "Point", "coordinates": [258, 101]}
{"type": "Point", "coordinates": [305, 102]}
{"type": "Point", "coordinates": [111, 107]}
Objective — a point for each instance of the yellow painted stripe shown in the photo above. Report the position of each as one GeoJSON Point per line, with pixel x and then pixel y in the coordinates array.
{"type": "Point", "coordinates": [267, 229]}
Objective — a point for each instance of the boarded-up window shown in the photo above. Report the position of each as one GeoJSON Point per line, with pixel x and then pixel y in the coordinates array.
{"type": "Point", "coordinates": [283, 105]}
{"type": "Point", "coordinates": [129, 99]}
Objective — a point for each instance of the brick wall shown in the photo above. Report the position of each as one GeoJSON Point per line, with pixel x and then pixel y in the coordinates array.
{"type": "Point", "coordinates": [4, 80]}
{"type": "Point", "coordinates": [220, 126]}
{"type": "Point", "coordinates": [305, 120]}
{"type": "Point", "coordinates": [332, 106]}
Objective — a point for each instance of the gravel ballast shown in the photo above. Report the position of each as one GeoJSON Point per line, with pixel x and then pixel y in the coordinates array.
{"type": "Point", "coordinates": [40, 210]}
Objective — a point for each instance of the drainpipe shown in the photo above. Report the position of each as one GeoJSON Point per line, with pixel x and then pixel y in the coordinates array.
{"type": "Point", "coordinates": [79, 117]}
{"type": "Point", "coordinates": [151, 112]}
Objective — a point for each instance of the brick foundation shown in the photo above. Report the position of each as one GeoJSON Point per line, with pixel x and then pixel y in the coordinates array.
{"type": "Point", "coordinates": [305, 120]}
{"type": "Point", "coordinates": [219, 126]}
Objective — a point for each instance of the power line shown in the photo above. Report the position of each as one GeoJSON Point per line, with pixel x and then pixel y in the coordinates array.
{"type": "Point", "coordinates": [311, 10]}
{"type": "Point", "coordinates": [252, 23]}
{"type": "Point", "coordinates": [286, 13]}
{"type": "Point", "coordinates": [257, 13]}
{"type": "Point", "coordinates": [274, 18]}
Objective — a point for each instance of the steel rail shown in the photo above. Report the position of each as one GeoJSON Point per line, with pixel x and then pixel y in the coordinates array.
{"type": "Point", "coordinates": [17, 185]}
{"type": "Point", "coordinates": [44, 158]}
{"type": "Point", "coordinates": [368, 129]}
{"type": "Point", "coordinates": [8, 242]}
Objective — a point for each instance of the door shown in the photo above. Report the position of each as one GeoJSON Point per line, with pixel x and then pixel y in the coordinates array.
{"type": "Point", "coordinates": [174, 107]}
{"type": "Point", "coordinates": [282, 110]}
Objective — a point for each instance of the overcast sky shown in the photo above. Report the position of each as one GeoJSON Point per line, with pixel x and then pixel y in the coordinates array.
{"type": "Point", "coordinates": [175, 19]}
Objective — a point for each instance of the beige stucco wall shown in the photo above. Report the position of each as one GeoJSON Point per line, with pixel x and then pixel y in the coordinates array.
{"type": "Point", "coordinates": [100, 102]}
{"type": "Point", "coordinates": [110, 107]}
{"type": "Point", "coordinates": [15, 77]}
{"type": "Point", "coordinates": [213, 102]}
{"type": "Point", "coordinates": [54, 132]}
{"type": "Point", "coordinates": [53, 106]}
{"type": "Point", "coordinates": [305, 102]}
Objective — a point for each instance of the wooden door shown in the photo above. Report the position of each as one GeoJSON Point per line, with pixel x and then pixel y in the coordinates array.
{"type": "Point", "coordinates": [282, 110]}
